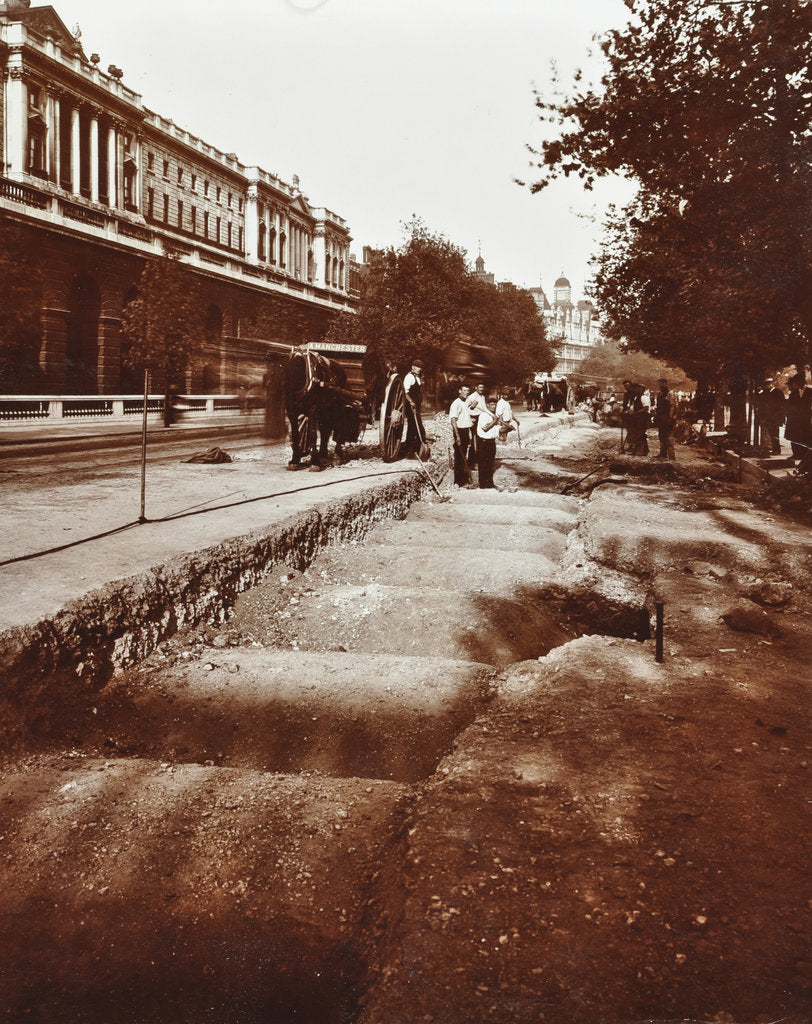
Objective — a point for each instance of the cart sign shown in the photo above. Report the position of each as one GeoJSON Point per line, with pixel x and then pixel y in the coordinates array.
{"type": "Point", "coordinates": [355, 350]}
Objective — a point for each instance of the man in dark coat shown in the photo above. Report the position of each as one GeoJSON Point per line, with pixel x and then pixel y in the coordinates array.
{"type": "Point", "coordinates": [772, 413]}
{"type": "Point", "coordinates": [664, 420]}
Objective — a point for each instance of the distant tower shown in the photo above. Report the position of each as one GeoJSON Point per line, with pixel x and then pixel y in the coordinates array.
{"type": "Point", "coordinates": [562, 292]}
{"type": "Point", "coordinates": [480, 273]}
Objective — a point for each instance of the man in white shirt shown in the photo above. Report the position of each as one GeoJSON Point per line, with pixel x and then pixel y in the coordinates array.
{"type": "Point", "coordinates": [476, 404]}
{"type": "Point", "coordinates": [461, 424]}
{"type": "Point", "coordinates": [487, 430]}
{"type": "Point", "coordinates": [505, 415]}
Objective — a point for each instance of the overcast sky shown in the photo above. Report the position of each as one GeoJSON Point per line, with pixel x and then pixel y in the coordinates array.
{"type": "Point", "coordinates": [384, 108]}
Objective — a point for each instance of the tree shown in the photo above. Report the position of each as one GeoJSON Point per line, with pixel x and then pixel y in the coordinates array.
{"type": "Point", "coordinates": [20, 305]}
{"type": "Point", "coordinates": [609, 364]}
{"type": "Point", "coordinates": [507, 320]}
{"type": "Point", "coordinates": [422, 301]}
{"type": "Point", "coordinates": [163, 323]}
{"type": "Point", "coordinates": [707, 107]}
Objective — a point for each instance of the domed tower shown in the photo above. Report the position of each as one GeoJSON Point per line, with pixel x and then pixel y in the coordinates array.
{"type": "Point", "coordinates": [562, 292]}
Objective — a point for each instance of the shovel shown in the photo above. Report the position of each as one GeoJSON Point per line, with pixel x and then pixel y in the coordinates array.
{"type": "Point", "coordinates": [425, 453]}
{"type": "Point", "coordinates": [442, 497]}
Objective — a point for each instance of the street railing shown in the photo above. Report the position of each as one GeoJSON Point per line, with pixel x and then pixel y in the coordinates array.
{"type": "Point", "coordinates": [22, 409]}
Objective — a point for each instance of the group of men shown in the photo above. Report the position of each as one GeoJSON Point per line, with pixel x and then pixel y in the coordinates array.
{"type": "Point", "coordinates": [638, 415]}
{"type": "Point", "coordinates": [794, 412]}
{"type": "Point", "coordinates": [477, 421]}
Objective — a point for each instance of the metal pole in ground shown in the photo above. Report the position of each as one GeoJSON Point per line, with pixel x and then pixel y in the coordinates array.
{"type": "Point", "coordinates": [142, 518]}
{"type": "Point", "coordinates": [658, 656]}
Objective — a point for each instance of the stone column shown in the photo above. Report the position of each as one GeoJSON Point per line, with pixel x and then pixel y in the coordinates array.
{"type": "Point", "coordinates": [112, 166]}
{"type": "Point", "coordinates": [251, 223]}
{"type": "Point", "coordinates": [53, 120]}
{"type": "Point", "coordinates": [319, 253]}
{"type": "Point", "coordinates": [53, 347]}
{"type": "Point", "coordinates": [94, 156]}
{"type": "Point", "coordinates": [109, 364]}
{"type": "Point", "coordinates": [75, 151]}
{"type": "Point", "coordinates": [17, 121]}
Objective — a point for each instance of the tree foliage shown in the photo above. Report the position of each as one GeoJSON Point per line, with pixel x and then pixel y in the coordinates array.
{"type": "Point", "coordinates": [163, 323]}
{"type": "Point", "coordinates": [610, 364]}
{"type": "Point", "coordinates": [20, 305]}
{"type": "Point", "coordinates": [421, 301]}
{"type": "Point", "coordinates": [707, 107]}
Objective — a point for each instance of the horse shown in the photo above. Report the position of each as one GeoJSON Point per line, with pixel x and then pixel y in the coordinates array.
{"type": "Point", "coordinates": [319, 406]}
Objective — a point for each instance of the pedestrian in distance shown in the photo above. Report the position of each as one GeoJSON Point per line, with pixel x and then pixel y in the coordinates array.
{"type": "Point", "coordinates": [625, 413]}
{"type": "Point", "coordinates": [772, 413]}
{"type": "Point", "coordinates": [664, 417]}
{"type": "Point", "coordinates": [638, 422]}
{"type": "Point", "coordinates": [798, 430]}
{"type": "Point", "coordinates": [461, 424]}
{"type": "Point", "coordinates": [487, 431]}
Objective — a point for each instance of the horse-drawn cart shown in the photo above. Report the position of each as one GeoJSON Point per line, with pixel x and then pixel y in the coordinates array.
{"type": "Point", "coordinates": [328, 395]}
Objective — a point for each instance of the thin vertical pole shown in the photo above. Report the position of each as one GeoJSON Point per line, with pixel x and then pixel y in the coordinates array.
{"type": "Point", "coordinates": [659, 633]}
{"type": "Point", "coordinates": [142, 518]}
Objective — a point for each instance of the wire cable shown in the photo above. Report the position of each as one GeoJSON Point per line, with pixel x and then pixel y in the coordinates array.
{"type": "Point", "coordinates": [198, 510]}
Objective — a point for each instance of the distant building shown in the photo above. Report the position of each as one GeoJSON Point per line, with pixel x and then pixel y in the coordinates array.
{"type": "Point", "coordinates": [572, 328]}
{"type": "Point", "coordinates": [100, 183]}
{"type": "Point", "coordinates": [480, 274]}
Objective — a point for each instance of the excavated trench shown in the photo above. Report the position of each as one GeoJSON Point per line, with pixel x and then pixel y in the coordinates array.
{"type": "Point", "coordinates": [228, 820]}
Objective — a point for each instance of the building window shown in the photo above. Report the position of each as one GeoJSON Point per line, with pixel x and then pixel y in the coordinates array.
{"type": "Point", "coordinates": [218, 193]}
{"type": "Point", "coordinates": [239, 237]}
{"type": "Point", "coordinates": [150, 161]}
{"type": "Point", "coordinates": [193, 219]}
{"type": "Point", "coordinates": [228, 234]}
{"type": "Point", "coordinates": [166, 208]}
{"type": "Point", "coordinates": [180, 213]}
{"type": "Point", "coordinates": [129, 185]}
{"type": "Point", "coordinates": [194, 183]}
{"type": "Point", "coordinates": [240, 203]}
{"type": "Point", "coordinates": [272, 245]}
{"type": "Point", "coordinates": [37, 131]}
{"type": "Point", "coordinates": [261, 244]}
{"type": "Point", "coordinates": [166, 168]}
{"type": "Point", "coordinates": [150, 202]}
{"type": "Point", "coordinates": [217, 236]}
{"type": "Point", "coordinates": [229, 200]}
{"type": "Point", "coordinates": [205, 187]}
{"type": "Point", "coordinates": [180, 175]}
{"type": "Point", "coordinates": [205, 223]}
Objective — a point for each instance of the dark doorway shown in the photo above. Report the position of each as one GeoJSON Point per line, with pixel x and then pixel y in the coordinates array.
{"type": "Point", "coordinates": [82, 347]}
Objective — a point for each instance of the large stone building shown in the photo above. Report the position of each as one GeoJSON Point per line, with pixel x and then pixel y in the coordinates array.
{"type": "Point", "coordinates": [572, 327]}
{"type": "Point", "coordinates": [101, 183]}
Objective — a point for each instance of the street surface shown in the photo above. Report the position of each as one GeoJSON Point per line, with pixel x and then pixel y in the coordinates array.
{"type": "Point", "coordinates": [431, 770]}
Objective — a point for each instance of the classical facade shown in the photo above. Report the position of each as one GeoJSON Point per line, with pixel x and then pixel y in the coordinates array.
{"type": "Point", "coordinates": [572, 328]}
{"type": "Point", "coordinates": [101, 183]}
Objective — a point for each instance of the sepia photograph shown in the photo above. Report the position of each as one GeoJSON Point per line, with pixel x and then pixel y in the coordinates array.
{"type": "Point", "coordinates": [406, 493]}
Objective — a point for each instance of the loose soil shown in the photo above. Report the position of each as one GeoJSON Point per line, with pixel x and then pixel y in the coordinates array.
{"type": "Point", "coordinates": [554, 826]}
